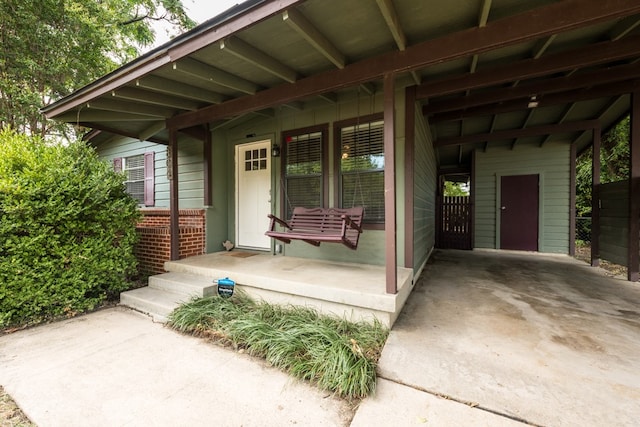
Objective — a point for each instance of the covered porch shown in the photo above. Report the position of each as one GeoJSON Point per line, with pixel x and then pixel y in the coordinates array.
{"type": "Point", "coordinates": [354, 291]}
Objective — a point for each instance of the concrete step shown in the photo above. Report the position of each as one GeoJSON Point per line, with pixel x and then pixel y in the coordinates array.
{"type": "Point", "coordinates": [158, 303]}
{"type": "Point", "coordinates": [190, 285]}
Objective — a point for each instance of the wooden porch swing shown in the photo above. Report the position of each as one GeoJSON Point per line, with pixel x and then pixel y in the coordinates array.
{"type": "Point", "coordinates": [317, 225]}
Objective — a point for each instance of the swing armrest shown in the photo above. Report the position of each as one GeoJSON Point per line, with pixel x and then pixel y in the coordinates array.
{"type": "Point", "coordinates": [351, 223]}
{"type": "Point", "coordinates": [274, 219]}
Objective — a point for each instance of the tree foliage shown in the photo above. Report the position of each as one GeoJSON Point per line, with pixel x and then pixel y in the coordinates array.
{"type": "Point", "coordinates": [67, 229]}
{"type": "Point", "coordinates": [49, 48]}
{"type": "Point", "coordinates": [614, 165]}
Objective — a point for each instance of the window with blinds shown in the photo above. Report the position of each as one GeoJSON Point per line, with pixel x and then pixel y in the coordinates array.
{"type": "Point", "coordinates": [133, 167]}
{"type": "Point", "coordinates": [362, 168]}
{"type": "Point", "coordinates": [303, 170]}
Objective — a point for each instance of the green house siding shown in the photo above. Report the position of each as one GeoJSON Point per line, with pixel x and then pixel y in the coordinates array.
{"type": "Point", "coordinates": [371, 248]}
{"type": "Point", "coordinates": [424, 193]}
{"type": "Point", "coordinates": [190, 167]}
{"type": "Point", "coordinates": [551, 163]}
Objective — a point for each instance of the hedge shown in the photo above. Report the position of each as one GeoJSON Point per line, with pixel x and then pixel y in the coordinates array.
{"type": "Point", "coordinates": [67, 230]}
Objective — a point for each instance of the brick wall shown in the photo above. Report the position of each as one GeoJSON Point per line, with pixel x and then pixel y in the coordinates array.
{"type": "Point", "coordinates": [154, 243]}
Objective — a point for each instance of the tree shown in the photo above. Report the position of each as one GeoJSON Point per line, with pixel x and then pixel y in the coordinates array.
{"type": "Point", "coordinates": [455, 189]}
{"type": "Point", "coordinates": [49, 48]}
{"type": "Point", "coordinates": [67, 229]}
{"type": "Point", "coordinates": [614, 165]}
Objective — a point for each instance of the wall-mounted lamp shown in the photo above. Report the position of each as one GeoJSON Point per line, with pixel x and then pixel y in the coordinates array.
{"type": "Point", "coordinates": [533, 102]}
{"type": "Point", "coordinates": [275, 150]}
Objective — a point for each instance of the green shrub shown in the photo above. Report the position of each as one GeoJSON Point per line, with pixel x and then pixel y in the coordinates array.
{"type": "Point", "coordinates": [67, 230]}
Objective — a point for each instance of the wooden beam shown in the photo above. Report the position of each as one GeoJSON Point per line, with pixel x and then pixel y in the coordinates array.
{"type": "Point", "coordinates": [141, 95]}
{"type": "Point", "coordinates": [174, 209]}
{"type": "Point", "coordinates": [243, 50]}
{"type": "Point", "coordinates": [540, 22]}
{"type": "Point", "coordinates": [314, 37]}
{"type": "Point", "coordinates": [214, 75]}
{"type": "Point", "coordinates": [633, 254]}
{"type": "Point", "coordinates": [151, 130]}
{"type": "Point", "coordinates": [595, 199]}
{"type": "Point", "coordinates": [173, 87]}
{"type": "Point", "coordinates": [121, 106]}
{"type": "Point", "coordinates": [599, 53]}
{"type": "Point", "coordinates": [518, 133]}
{"type": "Point", "coordinates": [391, 258]}
{"type": "Point", "coordinates": [390, 16]}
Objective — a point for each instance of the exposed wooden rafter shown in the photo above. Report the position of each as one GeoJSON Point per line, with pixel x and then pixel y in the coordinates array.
{"type": "Point", "coordinates": [624, 27]}
{"type": "Point", "coordinates": [152, 130]}
{"type": "Point", "coordinates": [541, 22]}
{"type": "Point", "coordinates": [609, 106]}
{"type": "Point", "coordinates": [114, 131]}
{"type": "Point", "coordinates": [390, 16]}
{"type": "Point", "coordinates": [314, 37]}
{"type": "Point", "coordinates": [179, 89]}
{"type": "Point", "coordinates": [545, 100]}
{"type": "Point", "coordinates": [600, 53]}
{"type": "Point", "coordinates": [211, 74]}
{"type": "Point", "coordinates": [243, 50]}
{"type": "Point", "coordinates": [539, 88]}
{"type": "Point", "coordinates": [97, 115]}
{"type": "Point", "coordinates": [149, 97]}
{"type": "Point", "coordinates": [131, 107]}
{"type": "Point", "coordinates": [518, 133]}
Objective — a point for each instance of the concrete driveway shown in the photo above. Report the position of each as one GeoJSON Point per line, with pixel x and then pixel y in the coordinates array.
{"type": "Point", "coordinates": [546, 340]}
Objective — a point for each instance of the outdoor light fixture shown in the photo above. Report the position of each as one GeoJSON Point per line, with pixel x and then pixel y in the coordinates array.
{"type": "Point", "coordinates": [533, 101]}
{"type": "Point", "coordinates": [275, 150]}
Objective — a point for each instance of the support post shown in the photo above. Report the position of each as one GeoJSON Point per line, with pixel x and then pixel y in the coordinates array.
{"type": "Point", "coordinates": [174, 225]}
{"type": "Point", "coordinates": [595, 199]}
{"type": "Point", "coordinates": [390, 184]}
{"type": "Point", "coordinates": [634, 190]}
{"type": "Point", "coordinates": [409, 156]}
{"type": "Point", "coordinates": [572, 200]}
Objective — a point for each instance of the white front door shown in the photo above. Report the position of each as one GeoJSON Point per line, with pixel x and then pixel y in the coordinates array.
{"type": "Point", "coordinates": [253, 194]}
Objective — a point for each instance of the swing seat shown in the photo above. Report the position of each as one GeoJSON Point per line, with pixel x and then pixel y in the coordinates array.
{"type": "Point", "coordinates": [318, 225]}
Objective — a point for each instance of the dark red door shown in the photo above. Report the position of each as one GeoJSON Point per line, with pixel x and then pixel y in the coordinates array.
{"type": "Point", "coordinates": [519, 212]}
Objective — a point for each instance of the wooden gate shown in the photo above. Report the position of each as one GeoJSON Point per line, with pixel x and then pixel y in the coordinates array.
{"type": "Point", "coordinates": [454, 223]}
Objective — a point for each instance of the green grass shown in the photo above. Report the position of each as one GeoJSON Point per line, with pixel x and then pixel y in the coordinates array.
{"type": "Point", "coordinates": [330, 352]}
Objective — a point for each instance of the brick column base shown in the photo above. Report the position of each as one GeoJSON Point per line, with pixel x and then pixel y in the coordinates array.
{"type": "Point", "coordinates": [154, 238]}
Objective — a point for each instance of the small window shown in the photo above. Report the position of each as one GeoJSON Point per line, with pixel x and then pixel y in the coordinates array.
{"type": "Point", "coordinates": [140, 176]}
{"type": "Point", "coordinates": [361, 151]}
{"type": "Point", "coordinates": [133, 167]}
{"type": "Point", "coordinates": [304, 168]}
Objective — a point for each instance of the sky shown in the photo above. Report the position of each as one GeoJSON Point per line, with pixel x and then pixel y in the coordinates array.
{"type": "Point", "coordinates": [199, 11]}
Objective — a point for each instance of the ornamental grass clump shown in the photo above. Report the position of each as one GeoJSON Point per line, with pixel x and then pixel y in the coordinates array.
{"type": "Point", "coordinates": [334, 354]}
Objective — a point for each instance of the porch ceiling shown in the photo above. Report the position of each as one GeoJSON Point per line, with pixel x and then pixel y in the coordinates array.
{"type": "Point", "coordinates": [481, 66]}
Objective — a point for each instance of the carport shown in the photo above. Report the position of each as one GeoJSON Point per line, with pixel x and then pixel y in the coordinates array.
{"type": "Point", "coordinates": [541, 338]}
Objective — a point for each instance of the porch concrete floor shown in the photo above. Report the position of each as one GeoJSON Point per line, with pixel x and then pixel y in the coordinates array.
{"type": "Point", "coordinates": [335, 287]}
{"type": "Point", "coordinates": [544, 339]}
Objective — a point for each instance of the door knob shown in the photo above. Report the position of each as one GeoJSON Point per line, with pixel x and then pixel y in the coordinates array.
{"type": "Point", "coordinates": [503, 208]}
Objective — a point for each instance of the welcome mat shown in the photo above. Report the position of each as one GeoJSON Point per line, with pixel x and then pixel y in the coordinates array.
{"type": "Point", "coordinates": [240, 254]}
